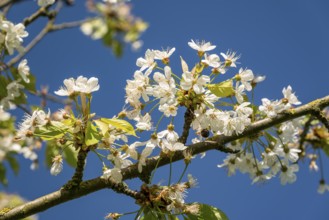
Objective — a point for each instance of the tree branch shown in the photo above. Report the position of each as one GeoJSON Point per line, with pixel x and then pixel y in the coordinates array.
{"type": "Point", "coordinates": [216, 142]}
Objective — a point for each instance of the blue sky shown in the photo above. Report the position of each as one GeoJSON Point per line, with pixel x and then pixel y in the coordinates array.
{"type": "Point", "coordinates": [285, 40]}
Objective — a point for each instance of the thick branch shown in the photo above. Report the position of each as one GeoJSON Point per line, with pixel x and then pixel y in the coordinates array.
{"type": "Point", "coordinates": [216, 142]}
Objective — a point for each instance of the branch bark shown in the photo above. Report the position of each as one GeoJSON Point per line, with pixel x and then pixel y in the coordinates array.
{"type": "Point", "coordinates": [216, 142]}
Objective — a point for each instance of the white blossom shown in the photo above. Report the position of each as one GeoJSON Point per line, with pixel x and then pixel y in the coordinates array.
{"type": "Point", "coordinates": [172, 146]}
{"type": "Point", "coordinates": [14, 35]}
{"type": "Point", "coordinates": [164, 55]}
{"type": "Point", "coordinates": [289, 97]}
{"type": "Point", "coordinates": [57, 165]}
{"type": "Point", "coordinates": [201, 47]}
{"type": "Point", "coordinates": [24, 70]}
{"type": "Point", "coordinates": [270, 108]}
{"type": "Point", "coordinates": [144, 122]}
{"type": "Point", "coordinates": [245, 76]}
{"type": "Point", "coordinates": [212, 60]}
{"type": "Point", "coordinates": [288, 173]}
{"type": "Point", "coordinates": [79, 85]}
{"type": "Point", "coordinates": [113, 174]}
{"type": "Point", "coordinates": [231, 163]}
{"type": "Point", "coordinates": [230, 58]}
{"type": "Point", "coordinates": [168, 110]}
{"type": "Point", "coordinates": [147, 62]}
{"type": "Point", "coordinates": [239, 92]}
{"type": "Point", "coordinates": [169, 134]}
{"type": "Point", "coordinates": [188, 81]}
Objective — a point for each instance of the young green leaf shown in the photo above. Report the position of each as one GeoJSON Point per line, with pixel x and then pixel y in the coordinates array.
{"type": "Point", "coordinates": [207, 212]}
{"type": "Point", "coordinates": [50, 132]}
{"type": "Point", "coordinates": [92, 135]}
{"type": "Point", "coordinates": [223, 89]}
{"type": "Point", "coordinates": [120, 124]}
{"type": "Point", "coordinates": [70, 155]}
{"type": "Point", "coordinates": [103, 127]}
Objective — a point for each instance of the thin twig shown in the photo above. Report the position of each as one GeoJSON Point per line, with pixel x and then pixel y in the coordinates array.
{"type": "Point", "coordinates": [50, 27]}
{"type": "Point", "coordinates": [71, 24]}
{"type": "Point", "coordinates": [305, 130]}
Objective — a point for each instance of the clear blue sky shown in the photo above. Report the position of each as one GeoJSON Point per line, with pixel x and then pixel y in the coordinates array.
{"type": "Point", "coordinates": [288, 41]}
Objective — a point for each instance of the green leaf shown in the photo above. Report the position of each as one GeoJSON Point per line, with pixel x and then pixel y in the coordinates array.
{"type": "Point", "coordinates": [92, 135]}
{"type": "Point", "coordinates": [120, 124]}
{"type": "Point", "coordinates": [50, 152]}
{"type": "Point", "coordinates": [14, 165]}
{"type": "Point", "coordinates": [50, 132]}
{"type": "Point", "coordinates": [223, 89]}
{"type": "Point", "coordinates": [70, 156]}
{"type": "Point", "coordinates": [207, 212]}
{"type": "Point", "coordinates": [103, 127]}
{"type": "Point", "coordinates": [3, 178]}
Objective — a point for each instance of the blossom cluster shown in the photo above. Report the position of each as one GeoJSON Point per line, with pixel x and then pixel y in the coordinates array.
{"type": "Point", "coordinates": [193, 90]}
{"type": "Point", "coordinates": [279, 155]}
{"type": "Point", "coordinates": [114, 24]}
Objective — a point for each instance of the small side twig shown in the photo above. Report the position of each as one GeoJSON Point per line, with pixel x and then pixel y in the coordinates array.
{"type": "Point", "coordinates": [124, 189]}
{"type": "Point", "coordinates": [52, 98]}
{"type": "Point", "coordinates": [188, 118]}
{"type": "Point", "coordinates": [78, 174]}
{"type": "Point", "coordinates": [71, 24]}
{"type": "Point", "coordinates": [304, 133]}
